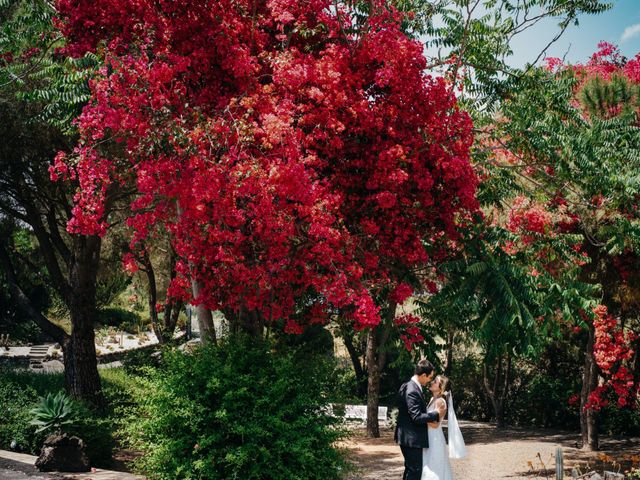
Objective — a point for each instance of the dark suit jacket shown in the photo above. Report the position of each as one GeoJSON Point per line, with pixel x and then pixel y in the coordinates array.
{"type": "Point", "coordinates": [411, 428]}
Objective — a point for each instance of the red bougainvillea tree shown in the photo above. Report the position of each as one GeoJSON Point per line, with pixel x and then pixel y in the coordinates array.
{"type": "Point", "coordinates": [300, 158]}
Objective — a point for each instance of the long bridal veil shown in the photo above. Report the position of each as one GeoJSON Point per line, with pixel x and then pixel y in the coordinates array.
{"type": "Point", "coordinates": [457, 448]}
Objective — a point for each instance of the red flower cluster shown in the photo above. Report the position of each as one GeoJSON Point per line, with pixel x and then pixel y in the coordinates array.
{"type": "Point", "coordinates": [287, 156]}
{"type": "Point", "coordinates": [401, 293]}
{"type": "Point", "coordinates": [528, 217]}
{"type": "Point", "coordinates": [613, 351]}
{"type": "Point", "coordinates": [412, 333]}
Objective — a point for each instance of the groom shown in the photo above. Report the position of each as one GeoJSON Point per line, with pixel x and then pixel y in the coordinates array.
{"type": "Point", "coordinates": [411, 429]}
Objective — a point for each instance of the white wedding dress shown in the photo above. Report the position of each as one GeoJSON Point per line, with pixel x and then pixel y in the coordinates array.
{"type": "Point", "coordinates": [435, 459]}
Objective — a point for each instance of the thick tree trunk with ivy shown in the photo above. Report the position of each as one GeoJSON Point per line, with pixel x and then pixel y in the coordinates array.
{"type": "Point", "coordinates": [376, 358]}
{"type": "Point", "coordinates": [588, 416]}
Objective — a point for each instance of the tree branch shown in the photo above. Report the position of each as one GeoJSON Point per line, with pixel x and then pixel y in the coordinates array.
{"type": "Point", "coordinates": [18, 295]}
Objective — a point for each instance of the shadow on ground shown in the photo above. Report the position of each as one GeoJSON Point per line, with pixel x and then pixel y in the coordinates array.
{"type": "Point", "coordinates": [508, 453]}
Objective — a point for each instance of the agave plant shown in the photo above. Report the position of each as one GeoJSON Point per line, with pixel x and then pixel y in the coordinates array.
{"type": "Point", "coordinates": [54, 412]}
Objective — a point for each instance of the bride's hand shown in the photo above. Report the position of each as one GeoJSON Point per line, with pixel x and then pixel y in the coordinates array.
{"type": "Point", "coordinates": [433, 424]}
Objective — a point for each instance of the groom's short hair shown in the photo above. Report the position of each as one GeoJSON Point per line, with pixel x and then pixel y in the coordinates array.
{"type": "Point", "coordinates": [423, 366]}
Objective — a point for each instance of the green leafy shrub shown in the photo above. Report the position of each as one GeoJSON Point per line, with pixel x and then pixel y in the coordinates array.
{"type": "Point", "coordinates": [470, 397]}
{"type": "Point", "coordinates": [15, 429]}
{"type": "Point", "coordinates": [619, 421]}
{"type": "Point", "coordinates": [120, 318]}
{"type": "Point", "coordinates": [237, 411]}
{"type": "Point", "coordinates": [20, 392]}
{"type": "Point", "coordinates": [97, 432]}
{"type": "Point", "coordinates": [544, 401]}
{"type": "Point", "coordinates": [61, 413]}
{"type": "Point", "coordinates": [137, 361]}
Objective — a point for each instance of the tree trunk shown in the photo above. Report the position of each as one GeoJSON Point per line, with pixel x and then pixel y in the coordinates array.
{"type": "Point", "coordinates": [21, 299]}
{"type": "Point", "coordinates": [204, 315]}
{"type": "Point", "coordinates": [171, 314]}
{"type": "Point", "coordinates": [373, 384]}
{"type": "Point", "coordinates": [81, 366]}
{"type": "Point", "coordinates": [449, 346]}
{"type": "Point", "coordinates": [376, 357]}
{"type": "Point", "coordinates": [588, 416]}
{"type": "Point", "coordinates": [80, 363]}
{"type": "Point", "coordinates": [247, 322]}
{"type": "Point", "coordinates": [354, 355]}
{"type": "Point", "coordinates": [152, 291]}
{"type": "Point", "coordinates": [498, 392]}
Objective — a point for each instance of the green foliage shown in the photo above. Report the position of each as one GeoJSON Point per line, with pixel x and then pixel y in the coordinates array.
{"type": "Point", "coordinates": [61, 88]}
{"type": "Point", "coordinates": [110, 284]}
{"type": "Point", "coordinates": [594, 157]}
{"type": "Point", "coordinates": [607, 98]}
{"type": "Point", "coordinates": [31, 70]}
{"type": "Point", "coordinates": [543, 400]}
{"type": "Point", "coordinates": [141, 360]}
{"type": "Point", "coordinates": [238, 411]}
{"type": "Point", "coordinates": [470, 398]}
{"type": "Point", "coordinates": [31, 275]}
{"type": "Point", "coordinates": [119, 317]}
{"type": "Point", "coordinates": [17, 400]}
{"type": "Point", "coordinates": [540, 388]}
{"type": "Point", "coordinates": [471, 40]}
{"type": "Point", "coordinates": [315, 339]}
{"type": "Point", "coordinates": [54, 412]}
{"type": "Point", "coordinates": [619, 421]}
{"type": "Point", "coordinates": [494, 295]}
{"type": "Point", "coordinates": [21, 390]}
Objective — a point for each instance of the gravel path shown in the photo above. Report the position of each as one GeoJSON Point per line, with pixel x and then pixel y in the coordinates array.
{"type": "Point", "coordinates": [492, 454]}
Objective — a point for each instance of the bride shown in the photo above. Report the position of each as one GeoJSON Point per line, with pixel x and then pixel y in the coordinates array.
{"type": "Point", "coordinates": [435, 459]}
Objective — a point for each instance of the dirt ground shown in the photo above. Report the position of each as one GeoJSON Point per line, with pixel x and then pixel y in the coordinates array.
{"type": "Point", "coordinates": [497, 454]}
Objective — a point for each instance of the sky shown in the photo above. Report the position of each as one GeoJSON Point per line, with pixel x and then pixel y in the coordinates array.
{"type": "Point", "coordinates": [620, 25]}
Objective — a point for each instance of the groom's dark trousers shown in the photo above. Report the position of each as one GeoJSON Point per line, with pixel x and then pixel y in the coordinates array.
{"type": "Point", "coordinates": [411, 428]}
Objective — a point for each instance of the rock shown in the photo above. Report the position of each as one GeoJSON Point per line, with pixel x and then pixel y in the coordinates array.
{"type": "Point", "coordinates": [63, 453]}
{"type": "Point", "coordinates": [586, 476]}
{"type": "Point", "coordinates": [593, 476]}
{"type": "Point", "coordinates": [613, 476]}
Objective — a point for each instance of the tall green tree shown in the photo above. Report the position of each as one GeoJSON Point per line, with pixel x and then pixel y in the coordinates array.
{"type": "Point", "coordinates": [40, 93]}
{"type": "Point", "coordinates": [566, 148]}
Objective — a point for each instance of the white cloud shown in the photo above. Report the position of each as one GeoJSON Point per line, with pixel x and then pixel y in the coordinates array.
{"type": "Point", "coordinates": [630, 32]}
